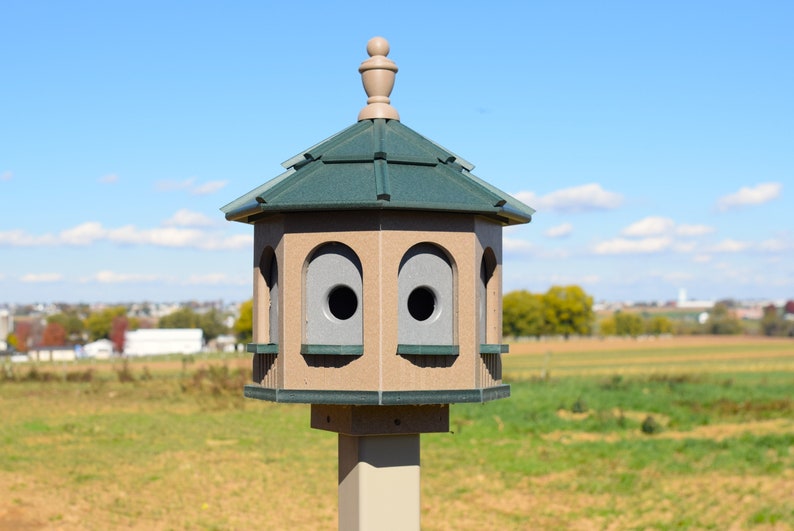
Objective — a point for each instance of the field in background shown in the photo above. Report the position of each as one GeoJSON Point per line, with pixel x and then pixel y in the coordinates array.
{"type": "Point", "coordinates": [614, 434]}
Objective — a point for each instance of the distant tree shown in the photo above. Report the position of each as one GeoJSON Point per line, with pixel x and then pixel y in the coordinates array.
{"type": "Point", "coordinates": [54, 335]}
{"type": "Point", "coordinates": [568, 310]}
{"type": "Point", "coordinates": [118, 328]}
{"type": "Point", "coordinates": [11, 341]}
{"type": "Point", "coordinates": [71, 321]}
{"type": "Point", "coordinates": [658, 325]}
{"type": "Point", "coordinates": [99, 324]}
{"type": "Point", "coordinates": [182, 318]}
{"type": "Point", "coordinates": [788, 308]}
{"type": "Point", "coordinates": [728, 303]}
{"type": "Point", "coordinates": [606, 327]}
{"type": "Point", "coordinates": [628, 324]}
{"type": "Point", "coordinates": [772, 323]}
{"type": "Point", "coordinates": [23, 330]}
{"type": "Point", "coordinates": [522, 314]}
{"type": "Point", "coordinates": [210, 322]}
{"type": "Point", "coordinates": [722, 321]}
{"type": "Point", "coordinates": [244, 325]}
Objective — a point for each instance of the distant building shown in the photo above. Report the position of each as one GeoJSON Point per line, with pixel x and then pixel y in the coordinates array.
{"type": "Point", "coordinates": [158, 341]}
{"type": "Point", "coordinates": [40, 353]}
{"type": "Point", "coordinates": [684, 302]}
{"type": "Point", "coordinates": [6, 327]}
{"type": "Point", "coordinates": [223, 343]}
{"type": "Point", "coordinates": [101, 349]}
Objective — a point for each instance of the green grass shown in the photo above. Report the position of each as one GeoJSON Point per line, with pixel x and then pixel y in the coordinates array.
{"type": "Point", "coordinates": [177, 447]}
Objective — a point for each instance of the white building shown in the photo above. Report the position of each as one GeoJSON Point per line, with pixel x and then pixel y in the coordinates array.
{"type": "Point", "coordinates": [52, 354]}
{"type": "Point", "coordinates": [101, 349]}
{"type": "Point", "coordinates": [156, 341]}
{"type": "Point", "coordinates": [6, 327]}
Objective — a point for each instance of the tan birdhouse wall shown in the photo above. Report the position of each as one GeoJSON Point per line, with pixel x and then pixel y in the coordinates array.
{"type": "Point", "coordinates": [380, 241]}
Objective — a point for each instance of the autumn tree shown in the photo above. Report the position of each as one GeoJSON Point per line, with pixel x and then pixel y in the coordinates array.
{"type": "Point", "coordinates": [522, 314]}
{"type": "Point", "coordinates": [244, 325]}
{"type": "Point", "coordinates": [658, 325]}
{"type": "Point", "coordinates": [11, 341]}
{"type": "Point", "coordinates": [54, 335]}
{"type": "Point", "coordinates": [71, 322]}
{"type": "Point", "coordinates": [628, 324]}
{"type": "Point", "coordinates": [99, 324]}
{"type": "Point", "coordinates": [118, 328]}
{"type": "Point", "coordinates": [568, 310]}
{"type": "Point", "coordinates": [23, 330]}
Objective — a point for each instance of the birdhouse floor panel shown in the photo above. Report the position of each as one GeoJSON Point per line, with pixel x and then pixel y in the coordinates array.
{"type": "Point", "coordinates": [377, 398]}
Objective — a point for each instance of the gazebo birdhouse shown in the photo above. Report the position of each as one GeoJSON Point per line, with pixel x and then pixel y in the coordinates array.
{"type": "Point", "coordinates": [377, 275]}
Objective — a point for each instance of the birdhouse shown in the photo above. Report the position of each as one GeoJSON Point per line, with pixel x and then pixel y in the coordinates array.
{"type": "Point", "coordinates": [377, 268]}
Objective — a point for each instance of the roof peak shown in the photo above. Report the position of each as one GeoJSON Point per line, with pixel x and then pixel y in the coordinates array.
{"type": "Point", "coordinates": [377, 75]}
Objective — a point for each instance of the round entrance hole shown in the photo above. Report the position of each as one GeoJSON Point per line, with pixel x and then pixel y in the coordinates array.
{"type": "Point", "coordinates": [421, 303]}
{"type": "Point", "coordinates": [342, 302]}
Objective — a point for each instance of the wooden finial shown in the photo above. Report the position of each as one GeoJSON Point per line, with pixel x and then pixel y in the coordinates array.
{"type": "Point", "coordinates": [377, 75]}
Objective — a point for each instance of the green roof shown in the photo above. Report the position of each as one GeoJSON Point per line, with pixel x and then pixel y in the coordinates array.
{"type": "Point", "coordinates": [378, 165]}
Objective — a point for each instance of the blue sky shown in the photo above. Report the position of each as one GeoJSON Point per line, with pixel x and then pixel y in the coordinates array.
{"type": "Point", "coordinates": [655, 140]}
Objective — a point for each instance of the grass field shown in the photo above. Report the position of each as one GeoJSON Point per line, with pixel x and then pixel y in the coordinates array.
{"type": "Point", "coordinates": [599, 434]}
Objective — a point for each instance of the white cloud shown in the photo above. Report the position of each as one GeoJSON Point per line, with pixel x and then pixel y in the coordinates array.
{"type": "Point", "coordinates": [627, 246]}
{"type": "Point", "coordinates": [657, 226]}
{"type": "Point", "coordinates": [188, 218]}
{"type": "Point", "coordinates": [560, 231]}
{"type": "Point", "coordinates": [774, 245]}
{"type": "Point", "coordinates": [6, 176]}
{"type": "Point", "coordinates": [209, 188]}
{"type": "Point", "coordinates": [169, 185]}
{"type": "Point", "coordinates": [190, 186]}
{"type": "Point", "coordinates": [83, 234]}
{"type": "Point", "coordinates": [516, 246]}
{"type": "Point", "coordinates": [730, 246]}
{"type": "Point", "coordinates": [108, 179]}
{"type": "Point", "coordinates": [575, 199]}
{"type": "Point", "coordinates": [212, 279]}
{"type": "Point", "coordinates": [238, 241]}
{"type": "Point", "coordinates": [650, 226]}
{"type": "Point", "coordinates": [111, 277]}
{"type": "Point", "coordinates": [673, 276]}
{"type": "Point", "coordinates": [92, 232]}
{"type": "Point", "coordinates": [684, 247]}
{"type": "Point", "coordinates": [693, 230]}
{"type": "Point", "coordinates": [20, 238]}
{"type": "Point", "coordinates": [701, 258]}
{"type": "Point", "coordinates": [159, 237]}
{"type": "Point", "coordinates": [746, 196]}
{"type": "Point", "coordinates": [35, 278]}
{"type": "Point", "coordinates": [563, 280]}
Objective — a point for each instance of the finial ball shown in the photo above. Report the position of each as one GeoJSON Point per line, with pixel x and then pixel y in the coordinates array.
{"type": "Point", "coordinates": [377, 46]}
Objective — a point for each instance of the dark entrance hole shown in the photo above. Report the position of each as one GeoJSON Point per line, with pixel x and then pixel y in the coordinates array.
{"type": "Point", "coordinates": [342, 302]}
{"type": "Point", "coordinates": [421, 303]}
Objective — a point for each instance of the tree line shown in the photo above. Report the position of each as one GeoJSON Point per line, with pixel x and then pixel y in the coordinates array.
{"type": "Point", "coordinates": [76, 325]}
{"type": "Point", "coordinates": [568, 310]}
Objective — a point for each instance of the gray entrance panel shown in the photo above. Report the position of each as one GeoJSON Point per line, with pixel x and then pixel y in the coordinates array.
{"type": "Point", "coordinates": [333, 297]}
{"type": "Point", "coordinates": [425, 292]}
